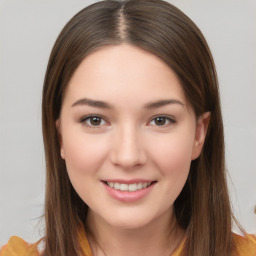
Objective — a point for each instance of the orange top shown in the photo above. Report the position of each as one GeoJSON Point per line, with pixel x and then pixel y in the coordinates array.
{"type": "Point", "coordinates": [16, 246]}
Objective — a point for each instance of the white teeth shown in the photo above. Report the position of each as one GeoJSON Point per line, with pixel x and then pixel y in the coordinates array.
{"type": "Point", "coordinates": [139, 186]}
{"type": "Point", "coordinates": [133, 187]}
{"type": "Point", "coordinates": [144, 185]}
{"type": "Point", "coordinates": [128, 187]}
{"type": "Point", "coordinates": [124, 187]}
{"type": "Point", "coordinates": [116, 185]}
{"type": "Point", "coordinates": [111, 184]}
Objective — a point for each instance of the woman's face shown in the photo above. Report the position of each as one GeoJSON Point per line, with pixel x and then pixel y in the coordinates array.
{"type": "Point", "coordinates": [128, 136]}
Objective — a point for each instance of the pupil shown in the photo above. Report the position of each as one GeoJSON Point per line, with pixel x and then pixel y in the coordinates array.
{"type": "Point", "coordinates": [160, 120]}
{"type": "Point", "coordinates": [95, 120]}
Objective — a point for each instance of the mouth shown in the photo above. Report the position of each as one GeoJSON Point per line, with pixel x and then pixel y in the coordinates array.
{"type": "Point", "coordinates": [131, 187]}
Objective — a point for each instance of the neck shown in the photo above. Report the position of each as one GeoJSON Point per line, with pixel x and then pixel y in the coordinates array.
{"type": "Point", "coordinates": [161, 237]}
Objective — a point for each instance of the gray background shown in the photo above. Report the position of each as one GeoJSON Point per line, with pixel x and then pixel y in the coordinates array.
{"type": "Point", "coordinates": [28, 29]}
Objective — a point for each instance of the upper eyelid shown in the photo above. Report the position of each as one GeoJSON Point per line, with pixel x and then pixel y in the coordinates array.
{"type": "Point", "coordinates": [171, 121]}
{"type": "Point", "coordinates": [165, 116]}
{"type": "Point", "coordinates": [83, 118]}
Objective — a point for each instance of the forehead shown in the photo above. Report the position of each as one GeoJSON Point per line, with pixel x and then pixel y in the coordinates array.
{"type": "Point", "coordinates": [124, 73]}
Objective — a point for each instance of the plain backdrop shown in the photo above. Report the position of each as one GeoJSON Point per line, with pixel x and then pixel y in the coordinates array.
{"type": "Point", "coordinates": [28, 29]}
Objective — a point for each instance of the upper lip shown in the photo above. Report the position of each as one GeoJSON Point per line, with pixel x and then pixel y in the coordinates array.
{"type": "Point", "coordinates": [128, 181]}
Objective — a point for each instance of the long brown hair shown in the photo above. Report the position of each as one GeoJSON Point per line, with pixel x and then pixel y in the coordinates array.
{"type": "Point", "coordinates": [203, 207]}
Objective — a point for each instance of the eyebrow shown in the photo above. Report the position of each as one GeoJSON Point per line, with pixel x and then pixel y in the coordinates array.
{"type": "Point", "coordinates": [162, 103]}
{"type": "Point", "coordinates": [105, 105]}
{"type": "Point", "coordinates": [92, 103]}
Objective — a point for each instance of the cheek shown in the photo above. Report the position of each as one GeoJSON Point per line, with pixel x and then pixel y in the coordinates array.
{"type": "Point", "coordinates": [172, 156]}
{"type": "Point", "coordinates": [83, 154]}
{"type": "Point", "coordinates": [176, 157]}
{"type": "Point", "coordinates": [84, 157]}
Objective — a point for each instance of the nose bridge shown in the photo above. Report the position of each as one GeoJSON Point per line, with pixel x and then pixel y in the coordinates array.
{"type": "Point", "coordinates": [128, 150]}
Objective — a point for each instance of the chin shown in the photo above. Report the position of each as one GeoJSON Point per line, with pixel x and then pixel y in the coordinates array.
{"type": "Point", "coordinates": [130, 224]}
{"type": "Point", "coordinates": [130, 220]}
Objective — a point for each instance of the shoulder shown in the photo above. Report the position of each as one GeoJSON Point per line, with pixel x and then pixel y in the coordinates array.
{"type": "Point", "coordinates": [246, 245]}
{"type": "Point", "coordinates": [18, 247]}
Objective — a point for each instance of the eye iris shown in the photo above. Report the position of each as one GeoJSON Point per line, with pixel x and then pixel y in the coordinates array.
{"type": "Point", "coordinates": [95, 120]}
{"type": "Point", "coordinates": [160, 120]}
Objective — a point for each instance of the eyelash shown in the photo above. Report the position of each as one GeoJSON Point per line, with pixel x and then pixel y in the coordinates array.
{"type": "Point", "coordinates": [86, 119]}
{"type": "Point", "coordinates": [168, 119]}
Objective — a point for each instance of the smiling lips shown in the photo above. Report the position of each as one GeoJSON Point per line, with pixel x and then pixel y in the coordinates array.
{"type": "Point", "coordinates": [128, 187]}
{"type": "Point", "coordinates": [129, 191]}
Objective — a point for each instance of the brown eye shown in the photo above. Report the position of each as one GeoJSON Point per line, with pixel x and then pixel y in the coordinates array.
{"type": "Point", "coordinates": [161, 121]}
{"type": "Point", "coordinates": [93, 121]}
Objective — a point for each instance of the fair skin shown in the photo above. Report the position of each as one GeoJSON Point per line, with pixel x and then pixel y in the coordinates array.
{"type": "Point", "coordinates": [125, 122]}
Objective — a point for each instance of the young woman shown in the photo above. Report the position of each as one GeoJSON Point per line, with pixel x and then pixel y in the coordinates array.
{"type": "Point", "coordinates": [133, 139]}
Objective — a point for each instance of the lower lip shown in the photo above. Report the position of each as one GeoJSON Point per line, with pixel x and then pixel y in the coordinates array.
{"type": "Point", "coordinates": [126, 196]}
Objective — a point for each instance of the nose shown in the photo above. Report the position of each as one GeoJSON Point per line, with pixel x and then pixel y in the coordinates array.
{"type": "Point", "coordinates": [128, 150]}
